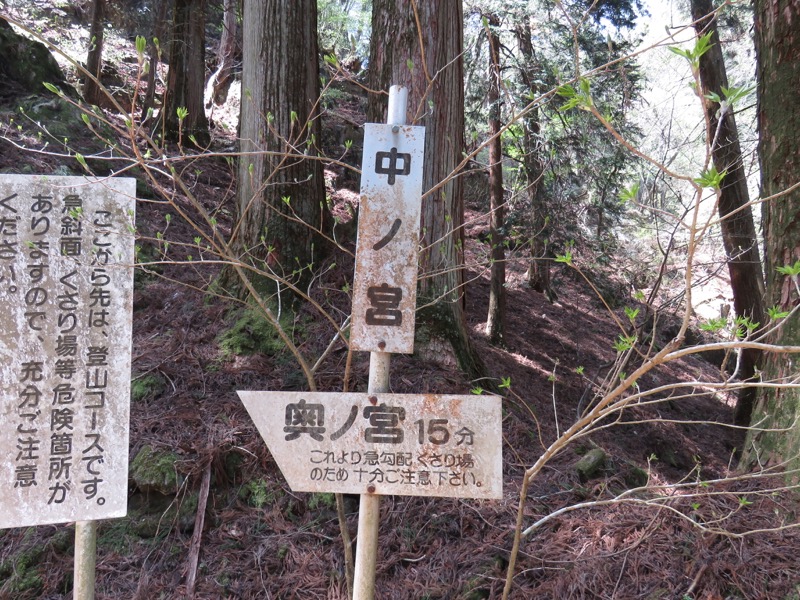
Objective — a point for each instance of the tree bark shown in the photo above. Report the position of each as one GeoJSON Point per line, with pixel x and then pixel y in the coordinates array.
{"type": "Point", "coordinates": [533, 169]}
{"type": "Point", "coordinates": [738, 230]}
{"type": "Point", "coordinates": [495, 320]}
{"type": "Point", "coordinates": [157, 30]}
{"type": "Point", "coordinates": [281, 192]}
{"type": "Point", "coordinates": [92, 92]}
{"type": "Point", "coordinates": [186, 76]}
{"type": "Point", "coordinates": [778, 71]}
{"type": "Point", "coordinates": [427, 59]}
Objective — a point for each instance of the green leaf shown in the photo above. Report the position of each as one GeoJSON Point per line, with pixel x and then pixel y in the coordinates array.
{"type": "Point", "coordinates": [85, 119]}
{"type": "Point", "coordinates": [477, 391]}
{"type": "Point", "coordinates": [565, 258]}
{"type": "Point", "coordinates": [734, 94]}
{"type": "Point", "coordinates": [182, 112]}
{"type": "Point", "coordinates": [681, 52]}
{"type": "Point", "coordinates": [410, 65]}
{"type": "Point", "coordinates": [714, 325]}
{"type": "Point", "coordinates": [744, 326]}
{"type": "Point", "coordinates": [790, 270]}
{"type": "Point", "coordinates": [629, 194]}
{"type": "Point", "coordinates": [506, 383]}
{"type": "Point", "coordinates": [710, 178]}
{"type": "Point", "coordinates": [624, 343]}
{"type": "Point", "coordinates": [702, 45]}
{"type": "Point", "coordinates": [775, 313]}
{"type": "Point", "coordinates": [631, 313]}
{"type": "Point", "coordinates": [141, 46]}
{"type": "Point", "coordinates": [81, 160]}
{"type": "Point", "coordinates": [566, 91]}
{"type": "Point", "coordinates": [50, 87]}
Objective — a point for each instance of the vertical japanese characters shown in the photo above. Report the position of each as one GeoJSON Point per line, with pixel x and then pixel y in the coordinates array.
{"type": "Point", "coordinates": [384, 288]}
{"type": "Point", "coordinates": [65, 280]}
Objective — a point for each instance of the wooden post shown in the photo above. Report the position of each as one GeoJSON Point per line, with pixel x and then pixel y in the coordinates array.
{"type": "Point", "coordinates": [379, 362]}
{"type": "Point", "coordinates": [85, 558]}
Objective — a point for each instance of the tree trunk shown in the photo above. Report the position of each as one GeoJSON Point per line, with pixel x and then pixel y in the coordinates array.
{"type": "Point", "coordinates": [186, 77]}
{"type": "Point", "coordinates": [738, 231]}
{"type": "Point", "coordinates": [495, 326]}
{"type": "Point", "coordinates": [158, 29]}
{"type": "Point", "coordinates": [92, 92]}
{"type": "Point", "coordinates": [280, 195]}
{"type": "Point", "coordinates": [221, 79]}
{"type": "Point", "coordinates": [778, 70]}
{"type": "Point", "coordinates": [428, 61]}
{"type": "Point", "coordinates": [533, 169]}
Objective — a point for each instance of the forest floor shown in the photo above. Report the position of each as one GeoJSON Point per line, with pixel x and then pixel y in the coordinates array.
{"type": "Point", "coordinates": [193, 349]}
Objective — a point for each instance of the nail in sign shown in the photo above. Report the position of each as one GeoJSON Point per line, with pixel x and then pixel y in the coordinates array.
{"type": "Point", "coordinates": [385, 283]}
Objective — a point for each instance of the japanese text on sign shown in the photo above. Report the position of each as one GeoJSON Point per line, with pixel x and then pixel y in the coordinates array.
{"type": "Point", "coordinates": [397, 444]}
{"type": "Point", "coordinates": [385, 283]}
{"type": "Point", "coordinates": [66, 252]}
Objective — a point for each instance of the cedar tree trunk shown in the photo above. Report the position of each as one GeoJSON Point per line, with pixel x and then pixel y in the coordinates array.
{"type": "Point", "coordinates": [428, 61]}
{"type": "Point", "coordinates": [281, 187]}
{"type": "Point", "coordinates": [495, 320]}
{"type": "Point", "coordinates": [186, 77]}
{"type": "Point", "coordinates": [533, 169]}
{"type": "Point", "coordinates": [738, 231]}
{"type": "Point", "coordinates": [778, 71]}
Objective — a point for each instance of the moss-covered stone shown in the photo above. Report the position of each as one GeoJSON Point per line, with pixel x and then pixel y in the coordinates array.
{"type": "Point", "coordinates": [27, 64]}
{"type": "Point", "coordinates": [252, 333]}
{"type": "Point", "coordinates": [19, 573]}
{"type": "Point", "coordinates": [146, 387]}
{"type": "Point", "coordinates": [590, 464]}
{"type": "Point", "coordinates": [155, 471]}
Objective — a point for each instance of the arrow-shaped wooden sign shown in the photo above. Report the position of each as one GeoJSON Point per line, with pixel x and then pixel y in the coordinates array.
{"type": "Point", "coordinates": [404, 444]}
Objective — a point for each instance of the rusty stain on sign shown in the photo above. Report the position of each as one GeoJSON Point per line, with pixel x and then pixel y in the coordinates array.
{"type": "Point", "coordinates": [385, 282]}
{"type": "Point", "coordinates": [404, 444]}
{"type": "Point", "coordinates": [66, 287]}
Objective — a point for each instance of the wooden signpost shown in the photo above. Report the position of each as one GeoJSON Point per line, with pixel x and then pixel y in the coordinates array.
{"type": "Point", "coordinates": [379, 443]}
{"type": "Point", "coordinates": [66, 288]}
{"type": "Point", "coordinates": [389, 444]}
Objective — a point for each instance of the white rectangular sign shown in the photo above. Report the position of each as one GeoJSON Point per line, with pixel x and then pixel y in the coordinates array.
{"type": "Point", "coordinates": [66, 288]}
{"type": "Point", "coordinates": [385, 282]}
{"type": "Point", "coordinates": [403, 444]}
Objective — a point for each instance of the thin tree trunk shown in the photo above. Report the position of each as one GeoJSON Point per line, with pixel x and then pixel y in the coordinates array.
{"type": "Point", "coordinates": [92, 92]}
{"type": "Point", "coordinates": [738, 230]}
{"type": "Point", "coordinates": [778, 71]}
{"type": "Point", "coordinates": [428, 61]}
{"type": "Point", "coordinates": [533, 168]}
{"type": "Point", "coordinates": [495, 321]}
{"type": "Point", "coordinates": [221, 79]}
{"type": "Point", "coordinates": [158, 30]}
